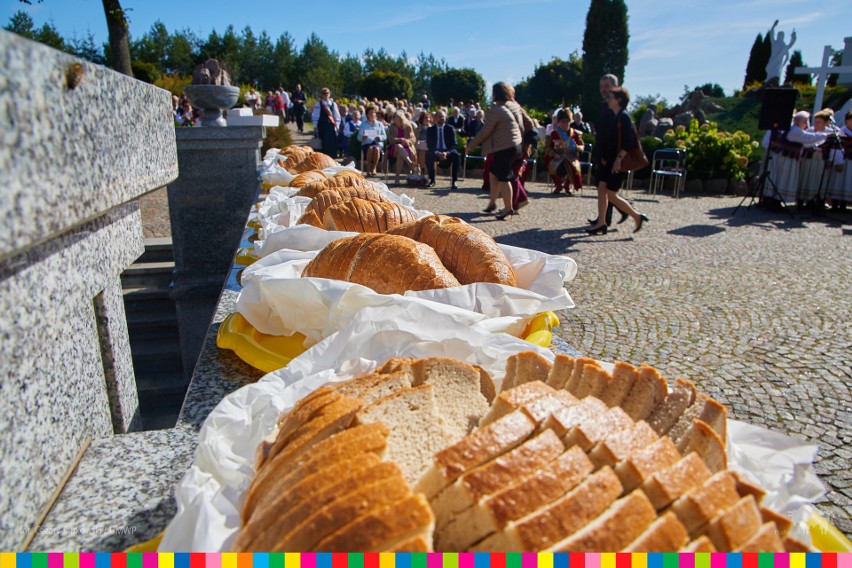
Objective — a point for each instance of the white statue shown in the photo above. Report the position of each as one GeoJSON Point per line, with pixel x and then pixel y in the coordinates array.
{"type": "Point", "coordinates": [780, 53]}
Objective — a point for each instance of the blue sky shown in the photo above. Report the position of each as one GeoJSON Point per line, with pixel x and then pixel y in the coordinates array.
{"type": "Point", "coordinates": [672, 44]}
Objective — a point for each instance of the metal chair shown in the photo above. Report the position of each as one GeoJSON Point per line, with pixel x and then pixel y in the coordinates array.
{"type": "Point", "coordinates": [668, 163]}
{"type": "Point", "coordinates": [586, 162]}
{"type": "Point", "coordinates": [480, 159]}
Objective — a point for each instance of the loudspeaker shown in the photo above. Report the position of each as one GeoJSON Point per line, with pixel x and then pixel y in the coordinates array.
{"type": "Point", "coordinates": [776, 110]}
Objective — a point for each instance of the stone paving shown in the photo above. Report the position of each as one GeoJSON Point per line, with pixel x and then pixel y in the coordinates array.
{"type": "Point", "coordinates": [753, 308]}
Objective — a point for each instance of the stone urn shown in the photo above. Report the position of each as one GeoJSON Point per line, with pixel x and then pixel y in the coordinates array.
{"type": "Point", "coordinates": [213, 99]}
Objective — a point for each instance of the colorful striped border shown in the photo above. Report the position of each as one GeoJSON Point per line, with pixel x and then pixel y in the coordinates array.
{"type": "Point", "coordinates": [422, 560]}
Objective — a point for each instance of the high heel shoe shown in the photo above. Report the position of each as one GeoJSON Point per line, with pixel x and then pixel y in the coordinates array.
{"type": "Point", "coordinates": [642, 219]}
{"type": "Point", "coordinates": [602, 230]}
{"type": "Point", "coordinates": [624, 217]}
{"type": "Point", "coordinates": [504, 214]}
{"type": "Point", "coordinates": [490, 208]}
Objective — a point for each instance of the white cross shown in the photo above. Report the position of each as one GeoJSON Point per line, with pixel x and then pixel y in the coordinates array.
{"type": "Point", "coordinates": [822, 74]}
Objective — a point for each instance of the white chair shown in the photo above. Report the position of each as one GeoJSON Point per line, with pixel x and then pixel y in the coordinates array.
{"type": "Point", "coordinates": [668, 163]}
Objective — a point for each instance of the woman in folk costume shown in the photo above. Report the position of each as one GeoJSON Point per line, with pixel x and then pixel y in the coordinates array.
{"type": "Point", "coordinates": [841, 192]}
{"type": "Point", "coordinates": [786, 148]}
{"type": "Point", "coordinates": [820, 166]}
{"type": "Point", "coordinates": [562, 149]}
{"type": "Point", "coordinates": [326, 117]}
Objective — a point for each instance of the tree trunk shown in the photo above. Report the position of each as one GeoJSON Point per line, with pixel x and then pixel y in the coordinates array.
{"type": "Point", "coordinates": [119, 34]}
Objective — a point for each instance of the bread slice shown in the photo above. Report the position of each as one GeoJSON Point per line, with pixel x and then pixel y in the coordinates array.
{"type": "Point", "coordinates": [666, 534]}
{"type": "Point", "coordinates": [784, 524]}
{"type": "Point", "coordinates": [354, 387]}
{"type": "Point", "coordinates": [666, 414]}
{"type": "Point", "coordinates": [746, 487]}
{"type": "Point", "coordinates": [509, 377]}
{"type": "Point", "coordinates": [703, 440]}
{"type": "Point", "coordinates": [665, 486]}
{"type": "Point", "coordinates": [495, 475]}
{"type": "Point", "coordinates": [389, 384]}
{"type": "Point", "coordinates": [795, 545]}
{"type": "Point", "coordinates": [416, 430]}
{"type": "Point", "coordinates": [623, 377]}
{"type": "Point", "coordinates": [560, 373]}
{"type": "Point", "coordinates": [580, 365]}
{"type": "Point", "coordinates": [564, 420]}
{"type": "Point", "coordinates": [593, 381]}
{"type": "Point", "coordinates": [334, 418]}
{"type": "Point", "coordinates": [706, 409]}
{"type": "Point", "coordinates": [560, 519]}
{"type": "Point", "coordinates": [272, 515]}
{"type": "Point", "coordinates": [649, 390]}
{"type": "Point", "coordinates": [477, 448]}
{"type": "Point", "coordinates": [512, 399]}
{"type": "Point", "coordinates": [625, 520]}
{"type": "Point", "coordinates": [486, 385]}
{"type": "Point", "coordinates": [700, 544]}
{"type": "Point", "coordinates": [495, 512]}
{"type": "Point", "coordinates": [640, 467]}
{"type": "Point", "coordinates": [303, 412]}
{"type": "Point", "coordinates": [419, 371]}
{"type": "Point", "coordinates": [383, 530]}
{"type": "Point", "coordinates": [619, 446]}
{"type": "Point", "coordinates": [326, 520]}
{"type": "Point", "coordinates": [766, 539]}
{"type": "Point", "coordinates": [460, 401]}
{"type": "Point", "coordinates": [734, 527]}
{"type": "Point", "coordinates": [542, 408]}
{"type": "Point", "coordinates": [613, 422]}
{"type": "Point", "coordinates": [699, 507]}
{"type": "Point", "coordinates": [529, 366]}
{"type": "Point", "coordinates": [420, 543]}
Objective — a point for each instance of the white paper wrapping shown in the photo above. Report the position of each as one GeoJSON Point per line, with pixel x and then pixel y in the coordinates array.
{"type": "Point", "coordinates": [210, 495]}
{"type": "Point", "coordinates": [276, 300]}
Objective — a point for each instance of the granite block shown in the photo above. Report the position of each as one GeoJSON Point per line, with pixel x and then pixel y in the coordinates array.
{"type": "Point", "coordinates": [65, 370]}
{"type": "Point", "coordinates": [69, 154]}
{"type": "Point", "coordinates": [121, 493]}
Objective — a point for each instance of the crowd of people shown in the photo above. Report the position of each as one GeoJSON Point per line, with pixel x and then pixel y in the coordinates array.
{"type": "Point", "coordinates": [810, 165]}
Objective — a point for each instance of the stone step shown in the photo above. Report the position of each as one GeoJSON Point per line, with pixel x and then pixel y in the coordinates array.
{"type": "Point", "coordinates": [156, 356]}
{"type": "Point", "coordinates": [158, 250]}
{"type": "Point", "coordinates": [148, 275]}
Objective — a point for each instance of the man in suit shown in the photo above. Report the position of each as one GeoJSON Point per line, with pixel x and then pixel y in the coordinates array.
{"type": "Point", "coordinates": [441, 146]}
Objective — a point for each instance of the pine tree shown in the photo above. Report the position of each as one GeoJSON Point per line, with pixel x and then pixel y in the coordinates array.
{"type": "Point", "coordinates": [755, 68]}
{"type": "Point", "coordinates": [790, 77]}
{"type": "Point", "coordinates": [604, 49]}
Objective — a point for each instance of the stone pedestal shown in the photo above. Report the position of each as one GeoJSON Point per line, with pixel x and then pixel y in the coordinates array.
{"type": "Point", "coordinates": [208, 206]}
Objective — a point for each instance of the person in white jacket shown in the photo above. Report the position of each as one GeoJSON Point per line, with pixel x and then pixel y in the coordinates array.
{"type": "Point", "coordinates": [786, 153]}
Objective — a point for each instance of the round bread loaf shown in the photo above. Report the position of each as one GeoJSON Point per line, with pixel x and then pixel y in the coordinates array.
{"type": "Point", "coordinates": [313, 188]}
{"type": "Point", "coordinates": [307, 177]}
{"type": "Point", "coordinates": [315, 161]}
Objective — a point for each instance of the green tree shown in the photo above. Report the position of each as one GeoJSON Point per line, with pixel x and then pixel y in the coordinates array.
{"type": "Point", "coordinates": [285, 59]}
{"type": "Point", "coordinates": [459, 85]}
{"type": "Point", "coordinates": [351, 75]}
{"type": "Point", "coordinates": [153, 46]}
{"type": "Point", "coordinates": [317, 67]}
{"type": "Point", "coordinates": [86, 48]}
{"type": "Point", "coordinates": [426, 67]}
{"type": "Point", "coordinates": [49, 35]}
{"type": "Point", "coordinates": [386, 85]}
{"type": "Point", "coordinates": [836, 59]}
{"type": "Point", "coordinates": [604, 49]}
{"type": "Point", "coordinates": [756, 66]}
{"type": "Point", "coordinates": [791, 77]}
{"type": "Point", "coordinates": [250, 64]}
{"type": "Point", "coordinates": [552, 84]}
{"type": "Point", "coordinates": [182, 52]}
{"type": "Point", "coordinates": [22, 24]}
{"type": "Point", "coordinates": [710, 90]}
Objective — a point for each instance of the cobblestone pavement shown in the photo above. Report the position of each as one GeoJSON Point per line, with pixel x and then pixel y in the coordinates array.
{"type": "Point", "coordinates": [753, 308]}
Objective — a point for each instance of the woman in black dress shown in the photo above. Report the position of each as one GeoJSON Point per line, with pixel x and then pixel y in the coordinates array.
{"type": "Point", "coordinates": [611, 174]}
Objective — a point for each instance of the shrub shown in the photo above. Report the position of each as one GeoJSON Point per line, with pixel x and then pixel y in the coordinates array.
{"type": "Point", "coordinates": [277, 137]}
{"type": "Point", "coordinates": [174, 83]}
{"type": "Point", "coordinates": [386, 85]}
{"type": "Point", "coordinates": [713, 151]}
{"type": "Point", "coordinates": [147, 72]}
